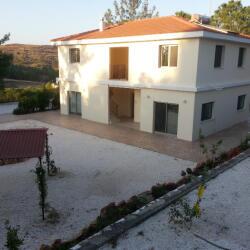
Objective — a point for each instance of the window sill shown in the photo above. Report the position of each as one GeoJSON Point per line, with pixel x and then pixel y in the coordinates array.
{"type": "Point", "coordinates": [168, 67]}
{"type": "Point", "coordinates": [241, 110]}
{"type": "Point", "coordinates": [207, 121]}
{"type": "Point", "coordinates": [219, 68]}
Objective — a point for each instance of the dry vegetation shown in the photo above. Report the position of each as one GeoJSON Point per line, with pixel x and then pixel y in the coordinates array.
{"type": "Point", "coordinates": [36, 56]}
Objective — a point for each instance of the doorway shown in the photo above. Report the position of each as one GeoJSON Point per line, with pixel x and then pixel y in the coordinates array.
{"type": "Point", "coordinates": [75, 104]}
{"type": "Point", "coordinates": [166, 117]}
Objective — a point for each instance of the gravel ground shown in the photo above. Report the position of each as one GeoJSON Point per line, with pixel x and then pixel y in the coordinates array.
{"type": "Point", "coordinates": [94, 172]}
{"type": "Point", "coordinates": [225, 219]}
{"type": "Point", "coordinates": [7, 108]}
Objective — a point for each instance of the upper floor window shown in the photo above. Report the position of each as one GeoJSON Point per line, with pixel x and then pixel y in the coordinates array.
{"type": "Point", "coordinates": [207, 111]}
{"type": "Point", "coordinates": [219, 56]}
{"type": "Point", "coordinates": [241, 102]}
{"type": "Point", "coordinates": [241, 57]}
{"type": "Point", "coordinates": [168, 55]}
{"type": "Point", "coordinates": [74, 55]}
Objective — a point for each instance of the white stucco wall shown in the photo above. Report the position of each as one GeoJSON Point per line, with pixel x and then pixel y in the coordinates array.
{"type": "Point", "coordinates": [143, 64]}
{"type": "Point", "coordinates": [175, 85]}
{"type": "Point", "coordinates": [137, 105]}
{"type": "Point", "coordinates": [185, 100]}
{"type": "Point", "coordinates": [225, 113]}
{"type": "Point", "coordinates": [229, 73]}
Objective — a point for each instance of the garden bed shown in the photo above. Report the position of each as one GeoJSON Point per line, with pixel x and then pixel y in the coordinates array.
{"type": "Point", "coordinates": [224, 222]}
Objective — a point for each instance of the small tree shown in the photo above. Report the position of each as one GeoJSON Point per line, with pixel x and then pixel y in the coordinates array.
{"type": "Point", "coordinates": [51, 167]}
{"type": "Point", "coordinates": [13, 242]}
{"type": "Point", "coordinates": [42, 186]}
{"type": "Point", "coordinates": [211, 152]}
{"type": "Point", "coordinates": [183, 213]}
{"type": "Point", "coordinates": [128, 10]}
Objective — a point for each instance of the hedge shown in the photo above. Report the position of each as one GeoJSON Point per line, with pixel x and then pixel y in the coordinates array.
{"type": "Point", "coordinates": [38, 99]}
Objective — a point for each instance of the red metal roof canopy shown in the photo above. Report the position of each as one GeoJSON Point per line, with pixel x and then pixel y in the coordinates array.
{"type": "Point", "coordinates": [22, 143]}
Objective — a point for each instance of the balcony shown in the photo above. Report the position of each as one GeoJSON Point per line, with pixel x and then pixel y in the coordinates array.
{"type": "Point", "coordinates": [119, 63]}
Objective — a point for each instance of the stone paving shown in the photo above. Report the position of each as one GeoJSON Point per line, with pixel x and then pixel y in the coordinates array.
{"type": "Point", "coordinates": [165, 144]}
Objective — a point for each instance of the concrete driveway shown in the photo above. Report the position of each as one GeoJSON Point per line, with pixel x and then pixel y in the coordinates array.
{"type": "Point", "coordinates": [7, 108]}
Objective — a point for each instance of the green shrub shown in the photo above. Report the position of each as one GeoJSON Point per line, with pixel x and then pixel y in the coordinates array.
{"type": "Point", "coordinates": [38, 99]}
{"type": "Point", "coordinates": [10, 95]}
{"type": "Point", "coordinates": [158, 190]}
{"type": "Point", "coordinates": [161, 189]}
{"type": "Point", "coordinates": [43, 98]}
{"type": "Point", "coordinates": [40, 74]}
{"type": "Point", "coordinates": [13, 242]}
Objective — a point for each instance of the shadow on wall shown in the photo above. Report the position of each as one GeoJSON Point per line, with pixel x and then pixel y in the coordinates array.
{"type": "Point", "coordinates": [74, 70]}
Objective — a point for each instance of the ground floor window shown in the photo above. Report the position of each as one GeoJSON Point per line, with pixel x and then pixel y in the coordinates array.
{"type": "Point", "coordinates": [241, 102]}
{"type": "Point", "coordinates": [75, 104]}
{"type": "Point", "coordinates": [207, 111]}
{"type": "Point", "coordinates": [166, 117]}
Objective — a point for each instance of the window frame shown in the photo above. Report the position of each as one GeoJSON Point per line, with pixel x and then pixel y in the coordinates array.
{"type": "Point", "coordinates": [239, 106]}
{"type": "Point", "coordinates": [207, 118]}
{"type": "Point", "coordinates": [169, 47]}
{"type": "Point", "coordinates": [220, 66]}
{"type": "Point", "coordinates": [240, 63]}
{"type": "Point", "coordinates": [77, 56]}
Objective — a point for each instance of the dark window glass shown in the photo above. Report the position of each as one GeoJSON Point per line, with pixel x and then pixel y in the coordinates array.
{"type": "Point", "coordinates": [74, 55]}
{"type": "Point", "coordinates": [164, 55]}
{"type": "Point", "coordinates": [160, 116]}
{"type": "Point", "coordinates": [173, 56]}
{"type": "Point", "coordinates": [207, 111]}
{"type": "Point", "coordinates": [241, 102]}
{"type": "Point", "coordinates": [218, 56]}
{"type": "Point", "coordinates": [241, 57]}
{"type": "Point", "coordinates": [166, 117]}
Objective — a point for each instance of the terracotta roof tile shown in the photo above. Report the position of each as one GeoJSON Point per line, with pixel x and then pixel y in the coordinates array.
{"type": "Point", "coordinates": [151, 26]}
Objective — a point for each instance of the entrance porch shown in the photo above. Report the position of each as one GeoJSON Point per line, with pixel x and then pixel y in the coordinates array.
{"type": "Point", "coordinates": [124, 107]}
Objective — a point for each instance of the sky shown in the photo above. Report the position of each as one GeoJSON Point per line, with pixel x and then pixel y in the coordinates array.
{"type": "Point", "coordinates": [38, 21]}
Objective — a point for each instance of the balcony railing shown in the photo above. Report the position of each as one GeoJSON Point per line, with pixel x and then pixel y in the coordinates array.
{"type": "Point", "coordinates": [119, 72]}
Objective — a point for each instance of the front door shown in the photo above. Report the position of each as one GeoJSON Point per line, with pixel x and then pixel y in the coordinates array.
{"type": "Point", "coordinates": [166, 118]}
{"type": "Point", "coordinates": [75, 102]}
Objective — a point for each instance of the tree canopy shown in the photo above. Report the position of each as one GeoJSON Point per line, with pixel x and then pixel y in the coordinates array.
{"type": "Point", "coordinates": [232, 16]}
{"type": "Point", "coordinates": [5, 61]}
{"type": "Point", "coordinates": [127, 10]}
{"type": "Point", "coordinates": [5, 38]}
{"type": "Point", "coordinates": [183, 14]}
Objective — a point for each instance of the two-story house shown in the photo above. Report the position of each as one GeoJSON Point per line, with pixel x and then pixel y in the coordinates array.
{"type": "Point", "coordinates": [164, 74]}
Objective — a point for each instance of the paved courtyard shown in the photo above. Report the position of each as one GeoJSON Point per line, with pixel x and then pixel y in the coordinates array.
{"type": "Point", "coordinates": [165, 144]}
{"type": "Point", "coordinates": [99, 164]}
{"type": "Point", "coordinates": [94, 172]}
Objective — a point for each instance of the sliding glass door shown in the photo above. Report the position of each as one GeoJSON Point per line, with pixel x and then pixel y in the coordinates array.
{"type": "Point", "coordinates": [75, 102]}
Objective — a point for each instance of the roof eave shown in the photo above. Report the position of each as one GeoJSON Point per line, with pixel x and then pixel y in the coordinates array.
{"type": "Point", "coordinates": [156, 37]}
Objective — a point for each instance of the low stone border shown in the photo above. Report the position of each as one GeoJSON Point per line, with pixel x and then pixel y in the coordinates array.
{"type": "Point", "coordinates": [116, 229]}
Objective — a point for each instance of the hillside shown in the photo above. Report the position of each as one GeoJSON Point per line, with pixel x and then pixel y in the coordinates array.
{"type": "Point", "coordinates": [35, 56]}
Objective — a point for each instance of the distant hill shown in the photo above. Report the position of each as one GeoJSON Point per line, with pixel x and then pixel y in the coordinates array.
{"type": "Point", "coordinates": [32, 62]}
{"type": "Point", "coordinates": [35, 56]}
